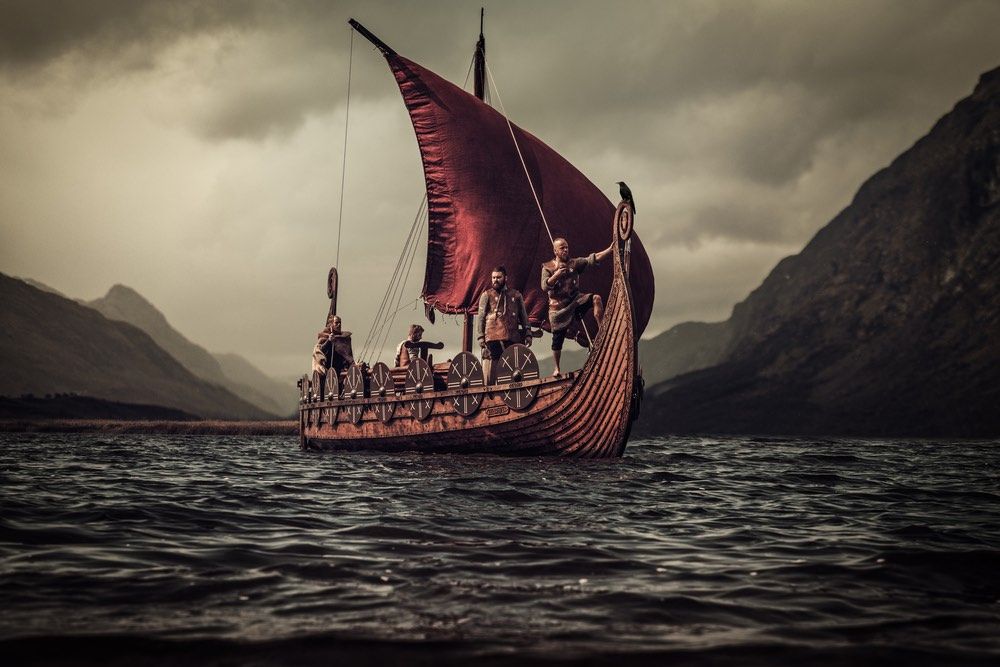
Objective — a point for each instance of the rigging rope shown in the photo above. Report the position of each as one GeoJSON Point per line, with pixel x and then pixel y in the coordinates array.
{"type": "Point", "coordinates": [401, 288]}
{"type": "Point", "coordinates": [399, 298]}
{"type": "Point", "coordinates": [343, 166]}
{"type": "Point", "coordinates": [469, 73]}
{"type": "Point", "coordinates": [373, 333]}
{"type": "Point", "coordinates": [493, 87]}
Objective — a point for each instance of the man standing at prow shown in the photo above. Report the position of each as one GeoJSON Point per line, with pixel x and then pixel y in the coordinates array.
{"type": "Point", "coordinates": [503, 320]}
{"type": "Point", "coordinates": [561, 280]}
{"type": "Point", "coordinates": [413, 347]}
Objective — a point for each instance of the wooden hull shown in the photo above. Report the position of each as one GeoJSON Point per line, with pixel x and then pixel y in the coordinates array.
{"type": "Point", "coordinates": [587, 414]}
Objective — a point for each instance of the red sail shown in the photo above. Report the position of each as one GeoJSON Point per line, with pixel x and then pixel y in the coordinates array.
{"type": "Point", "coordinates": [481, 209]}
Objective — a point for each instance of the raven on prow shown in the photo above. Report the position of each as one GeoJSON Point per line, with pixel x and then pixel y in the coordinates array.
{"type": "Point", "coordinates": [626, 195]}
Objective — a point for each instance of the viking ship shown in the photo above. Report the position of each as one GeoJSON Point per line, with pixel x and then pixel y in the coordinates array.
{"type": "Point", "coordinates": [495, 195]}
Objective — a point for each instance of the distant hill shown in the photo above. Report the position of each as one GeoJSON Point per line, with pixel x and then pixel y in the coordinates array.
{"type": "Point", "coordinates": [283, 396]}
{"type": "Point", "coordinates": [686, 347]}
{"type": "Point", "coordinates": [228, 370]}
{"type": "Point", "coordinates": [42, 286]}
{"type": "Point", "coordinates": [887, 322]}
{"type": "Point", "coordinates": [52, 345]}
{"type": "Point", "coordinates": [64, 406]}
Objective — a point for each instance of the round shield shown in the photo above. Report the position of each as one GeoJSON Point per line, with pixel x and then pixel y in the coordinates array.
{"type": "Point", "coordinates": [354, 390]}
{"type": "Point", "coordinates": [331, 392]}
{"type": "Point", "coordinates": [383, 388]}
{"type": "Point", "coordinates": [317, 386]}
{"type": "Point", "coordinates": [331, 385]}
{"type": "Point", "coordinates": [516, 366]}
{"type": "Point", "coordinates": [419, 389]}
{"type": "Point", "coordinates": [466, 372]}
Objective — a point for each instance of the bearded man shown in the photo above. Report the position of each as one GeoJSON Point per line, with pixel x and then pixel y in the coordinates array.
{"type": "Point", "coordinates": [503, 320]}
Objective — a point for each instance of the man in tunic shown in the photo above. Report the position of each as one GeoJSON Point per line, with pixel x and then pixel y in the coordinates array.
{"type": "Point", "coordinates": [412, 347]}
{"type": "Point", "coordinates": [333, 347]}
{"type": "Point", "coordinates": [503, 320]}
{"type": "Point", "coordinates": [561, 280]}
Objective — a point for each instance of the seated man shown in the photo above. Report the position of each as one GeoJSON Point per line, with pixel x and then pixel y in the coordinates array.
{"type": "Point", "coordinates": [560, 279]}
{"type": "Point", "coordinates": [503, 320]}
{"type": "Point", "coordinates": [333, 347]}
{"type": "Point", "coordinates": [413, 347]}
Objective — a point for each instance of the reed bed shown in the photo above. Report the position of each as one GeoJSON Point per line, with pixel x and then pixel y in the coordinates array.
{"type": "Point", "coordinates": [196, 427]}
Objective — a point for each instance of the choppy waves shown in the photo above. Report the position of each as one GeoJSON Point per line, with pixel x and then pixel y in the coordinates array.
{"type": "Point", "coordinates": [694, 548]}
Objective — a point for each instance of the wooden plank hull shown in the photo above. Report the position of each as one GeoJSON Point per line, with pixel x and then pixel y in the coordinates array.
{"type": "Point", "coordinates": [587, 414]}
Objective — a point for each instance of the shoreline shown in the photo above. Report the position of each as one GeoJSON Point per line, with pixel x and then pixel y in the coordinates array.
{"type": "Point", "coordinates": [169, 427]}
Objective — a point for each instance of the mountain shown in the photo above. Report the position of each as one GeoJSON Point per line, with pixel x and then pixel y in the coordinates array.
{"type": "Point", "coordinates": [888, 321]}
{"type": "Point", "coordinates": [126, 305]}
{"type": "Point", "coordinates": [283, 396]}
{"type": "Point", "coordinates": [237, 375]}
{"type": "Point", "coordinates": [51, 345]}
{"type": "Point", "coordinates": [685, 347]}
{"type": "Point", "coordinates": [42, 286]}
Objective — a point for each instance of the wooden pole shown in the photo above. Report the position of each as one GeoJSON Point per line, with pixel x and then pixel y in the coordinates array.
{"type": "Point", "coordinates": [467, 333]}
{"type": "Point", "coordinates": [379, 44]}
{"type": "Point", "coordinates": [480, 91]}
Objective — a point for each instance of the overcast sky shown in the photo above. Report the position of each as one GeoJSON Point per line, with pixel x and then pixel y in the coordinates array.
{"type": "Point", "coordinates": [192, 150]}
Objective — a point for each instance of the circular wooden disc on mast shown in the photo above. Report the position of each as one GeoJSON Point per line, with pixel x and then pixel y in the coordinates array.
{"type": "Point", "coordinates": [383, 389]}
{"type": "Point", "coordinates": [516, 366]}
{"type": "Point", "coordinates": [466, 372]}
{"type": "Point", "coordinates": [331, 390]}
{"type": "Point", "coordinates": [419, 389]}
{"type": "Point", "coordinates": [354, 392]}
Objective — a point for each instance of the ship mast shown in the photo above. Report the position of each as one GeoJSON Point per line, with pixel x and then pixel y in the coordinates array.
{"type": "Point", "coordinates": [479, 68]}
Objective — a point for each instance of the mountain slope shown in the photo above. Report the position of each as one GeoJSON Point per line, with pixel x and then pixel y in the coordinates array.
{"type": "Point", "coordinates": [126, 305]}
{"type": "Point", "coordinates": [682, 348]}
{"type": "Point", "coordinates": [239, 377]}
{"type": "Point", "coordinates": [257, 387]}
{"type": "Point", "coordinates": [42, 286]}
{"type": "Point", "coordinates": [887, 322]}
{"type": "Point", "coordinates": [49, 344]}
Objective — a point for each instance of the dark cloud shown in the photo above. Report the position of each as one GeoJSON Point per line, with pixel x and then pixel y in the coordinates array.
{"type": "Point", "coordinates": [823, 65]}
{"type": "Point", "coordinates": [33, 34]}
{"type": "Point", "coordinates": [737, 220]}
{"type": "Point", "coordinates": [741, 127]}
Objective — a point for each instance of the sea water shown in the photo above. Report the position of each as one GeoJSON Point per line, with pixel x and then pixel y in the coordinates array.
{"type": "Point", "coordinates": [721, 550]}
